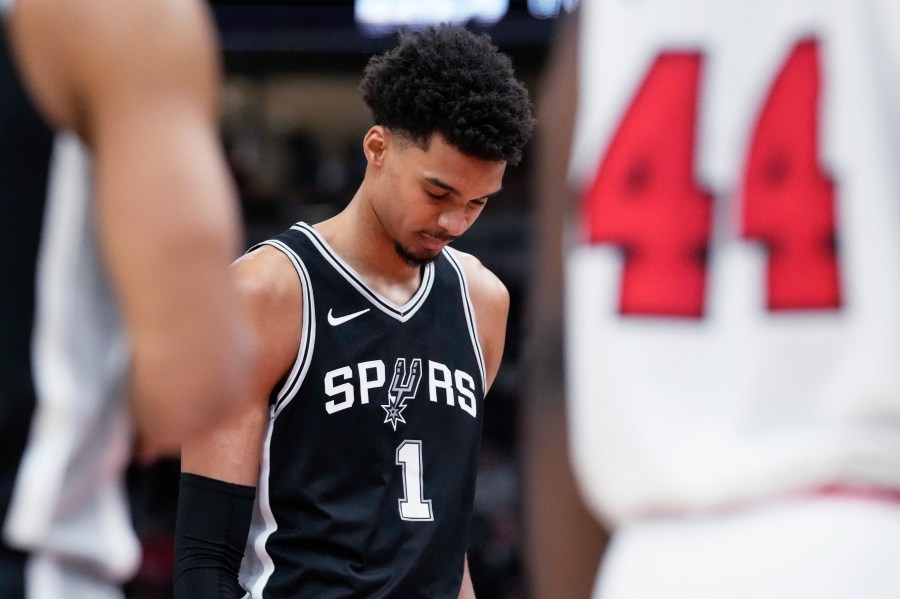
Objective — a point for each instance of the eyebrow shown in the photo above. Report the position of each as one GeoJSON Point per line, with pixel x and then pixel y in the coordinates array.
{"type": "Point", "coordinates": [446, 186]}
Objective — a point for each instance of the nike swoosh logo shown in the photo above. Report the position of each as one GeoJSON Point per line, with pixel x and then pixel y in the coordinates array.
{"type": "Point", "coordinates": [342, 319]}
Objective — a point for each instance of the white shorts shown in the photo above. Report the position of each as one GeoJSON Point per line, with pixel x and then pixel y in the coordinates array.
{"type": "Point", "coordinates": [811, 547]}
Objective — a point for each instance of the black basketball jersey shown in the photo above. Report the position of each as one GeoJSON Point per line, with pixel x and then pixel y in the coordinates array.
{"type": "Point", "coordinates": [368, 468]}
{"type": "Point", "coordinates": [63, 360]}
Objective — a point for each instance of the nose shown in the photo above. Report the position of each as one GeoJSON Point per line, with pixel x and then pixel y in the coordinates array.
{"type": "Point", "coordinates": [454, 222]}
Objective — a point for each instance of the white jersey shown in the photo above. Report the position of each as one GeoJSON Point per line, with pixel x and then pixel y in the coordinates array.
{"type": "Point", "coordinates": [733, 281]}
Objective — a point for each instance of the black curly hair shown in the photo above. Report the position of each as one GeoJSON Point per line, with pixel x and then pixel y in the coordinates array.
{"type": "Point", "coordinates": [448, 80]}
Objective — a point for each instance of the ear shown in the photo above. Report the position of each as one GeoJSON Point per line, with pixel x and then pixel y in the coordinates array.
{"type": "Point", "coordinates": [375, 144]}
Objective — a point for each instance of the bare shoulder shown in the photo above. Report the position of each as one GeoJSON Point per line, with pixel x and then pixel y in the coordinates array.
{"type": "Point", "coordinates": [271, 295]}
{"type": "Point", "coordinates": [267, 281]}
{"type": "Point", "coordinates": [79, 57]}
{"type": "Point", "coordinates": [490, 298]}
{"type": "Point", "coordinates": [486, 290]}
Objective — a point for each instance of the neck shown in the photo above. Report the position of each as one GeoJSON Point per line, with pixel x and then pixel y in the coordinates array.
{"type": "Point", "coordinates": [359, 239]}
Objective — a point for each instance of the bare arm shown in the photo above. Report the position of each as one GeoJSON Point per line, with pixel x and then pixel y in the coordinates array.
{"type": "Point", "coordinates": [271, 295]}
{"type": "Point", "coordinates": [220, 469]}
{"type": "Point", "coordinates": [563, 542]}
{"type": "Point", "coordinates": [466, 591]}
{"type": "Point", "coordinates": [490, 299]}
{"type": "Point", "coordinates": [141, 89]}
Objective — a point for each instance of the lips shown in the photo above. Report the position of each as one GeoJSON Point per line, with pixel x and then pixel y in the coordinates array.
{"type": "Point", "coordinates": [435, 243]}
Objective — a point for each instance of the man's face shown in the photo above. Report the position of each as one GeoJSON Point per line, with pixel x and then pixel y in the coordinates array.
{"type": "Point", "coordinates": [427, 198]}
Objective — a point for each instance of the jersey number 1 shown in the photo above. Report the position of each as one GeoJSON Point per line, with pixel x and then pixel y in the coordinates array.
{"type": "Point", "coordinates": [645, 199]}
{"type": "Point", "coordinates": [413, 505]}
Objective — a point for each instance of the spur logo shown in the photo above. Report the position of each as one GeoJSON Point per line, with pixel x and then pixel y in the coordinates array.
{"type": "Point", "coordinates": [403, 386]}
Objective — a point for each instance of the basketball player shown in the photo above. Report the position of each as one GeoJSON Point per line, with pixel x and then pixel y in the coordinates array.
{"type": "Point", "coordinates": [732, 272]}
{"type": "Point", "coordinates": [379, 344]}
{"type": "Point", "coordinates": [117, 225]}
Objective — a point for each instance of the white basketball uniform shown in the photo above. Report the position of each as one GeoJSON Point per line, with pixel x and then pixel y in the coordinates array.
{"type": "Point", "coordinates": [733, 295]}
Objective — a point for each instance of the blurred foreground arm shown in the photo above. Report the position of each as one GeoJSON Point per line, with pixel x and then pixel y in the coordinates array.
{"type": "Point", "coordinates": [564, 543]}
{"type": "Point", "coordinates": [139, 81]}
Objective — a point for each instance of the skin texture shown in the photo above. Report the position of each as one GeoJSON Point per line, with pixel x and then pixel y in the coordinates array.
{"type": "Point", "coordinates": [418, 197]}
{"type": "Point", "coordinates": [564, 542]}
{"type": "Point", "coordinates": [144, 101]}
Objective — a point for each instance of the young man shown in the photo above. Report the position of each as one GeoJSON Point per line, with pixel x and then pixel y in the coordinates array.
{"type": "Point", "coordinates": [118, 222]}
{"type": "Point", "coordinates": [379, 346]}
{"type": "Point", "coordinates": [733, 276]}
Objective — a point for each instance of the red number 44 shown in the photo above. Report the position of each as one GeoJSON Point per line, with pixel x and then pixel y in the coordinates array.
{"type": "Point", "coordinates": [645, 200]}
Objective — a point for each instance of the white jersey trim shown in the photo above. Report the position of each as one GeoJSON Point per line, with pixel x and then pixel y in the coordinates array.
{"type": "Point", "coordinates": [258, 584]}
{"type": "Point", "coordinates": [470, 315]}
{"type": "Point", "coordinates": [308, 330]}
{"type": "Point", "coordinates": [401, 313]}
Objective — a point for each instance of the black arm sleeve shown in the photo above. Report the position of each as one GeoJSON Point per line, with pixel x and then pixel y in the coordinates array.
{"type": "Point", "coordinates": [211, 531]}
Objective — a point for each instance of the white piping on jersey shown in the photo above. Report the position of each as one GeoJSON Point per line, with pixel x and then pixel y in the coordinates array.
{"type": "Point", "coordinates": [307, 334]}
{"type": "Point", "coordinates": [265, 510]}
{"type": "Point", "coordinates": [470, 315]}
{"type": "Point", "coordinates": [287, 392]}
{"type": "Point", "coordinates": [401, 313]}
